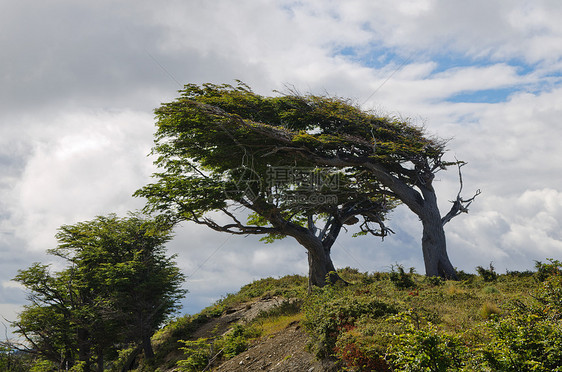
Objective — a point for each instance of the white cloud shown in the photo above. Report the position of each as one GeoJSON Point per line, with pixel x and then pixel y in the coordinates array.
{"type": "Point", "coordinates": [82, 165]}
{"type": "Point", "coordinates": [81, 81]}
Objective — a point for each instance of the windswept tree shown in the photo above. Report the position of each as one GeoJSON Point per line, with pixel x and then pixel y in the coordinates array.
{"type": "Point", "coordinates": [118, 288]}
{"type": "Point", "coordinates": [211, 165]}
{"type": "Point", "coordinates": [398, 159]}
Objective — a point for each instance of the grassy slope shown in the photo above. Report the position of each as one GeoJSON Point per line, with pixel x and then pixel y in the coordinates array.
{"type": "Point", "coordinates": [456, 307]}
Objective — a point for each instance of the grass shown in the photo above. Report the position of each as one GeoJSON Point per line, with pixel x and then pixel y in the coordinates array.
{"type": "Point", "coordinates": [363, 310]}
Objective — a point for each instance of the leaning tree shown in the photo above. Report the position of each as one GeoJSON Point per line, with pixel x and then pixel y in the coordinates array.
{"type": "Point", "coordinates": [213, 164]}
{"type": "Point", "coordinates": [396, 157]}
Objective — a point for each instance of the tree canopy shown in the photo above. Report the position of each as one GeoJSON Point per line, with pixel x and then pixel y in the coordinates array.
{"type": "Point", "coordinates": [117, 289]}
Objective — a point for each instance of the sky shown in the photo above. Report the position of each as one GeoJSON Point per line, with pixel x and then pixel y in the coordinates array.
{"type": "Point", "coordinates": [79, 82]}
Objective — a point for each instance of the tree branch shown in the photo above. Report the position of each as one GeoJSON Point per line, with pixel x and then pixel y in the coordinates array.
{"type": "Point", "coordinates": [460, 205]}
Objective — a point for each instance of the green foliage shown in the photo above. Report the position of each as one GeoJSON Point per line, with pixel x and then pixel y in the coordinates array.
{"type": "Point", "coordinates": [12, 360]}
{"type": "Point", "coordinates": [490, 290]}
{"type": "Point", "coordinates": [118, 288]}
{"type": "Point", "coordinates": [489, 274]}
{"type": "Point", "coordinates": [197, 353]}
{"type": "Point", "coordinates": [545, 270]}
{"type": "Point", "coordinates": [424, 347]}
{"type": "Point", "coordinates": [218, 147]}
{"type": "Point", "coordinates": [524, 341]}
{"type": "Point", "coordinates": [42, 365]}
{"type": "Point", "coordinates": [201, 352]}
{"type": "Point", "coordinates": [236, 341]}
{"type": "Point", "coordinates": [400, 278]}
{"type": "Point", "coordinates": [529, 337]}
{"type": "Point", "coordinates": [329, 313]}
{"type": "Point", "coordinates": [439, 326]}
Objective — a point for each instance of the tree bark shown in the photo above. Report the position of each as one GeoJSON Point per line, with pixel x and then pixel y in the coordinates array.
{"type": "Point", "coordinates": [83, 338]}
{"type": "Point", "coordinates": [319, 261]}
{"type": "Point", "coordinates": [319, 264]}
{"type": "Point", "coordinates": [147, 346]}
{"type": "Point", "coordinates": [434, 245]}
{"type": "Point", "coordinates": [100, 360]}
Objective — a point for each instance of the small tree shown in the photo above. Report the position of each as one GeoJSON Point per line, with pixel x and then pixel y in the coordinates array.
{"type": "Point", "coordinates": [211, 164]}
{"type": "Point", "coordinates": [118, 288]}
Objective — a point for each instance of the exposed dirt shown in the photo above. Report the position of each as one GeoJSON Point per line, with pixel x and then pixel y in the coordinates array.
{"type": "Point", "coordinates": [241, 314]}
{"type": "Point", "coordinates": [284, 351]}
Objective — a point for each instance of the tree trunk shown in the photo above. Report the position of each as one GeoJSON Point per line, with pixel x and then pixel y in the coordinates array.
{"type": "Point", "coordinates": [319, 261]}
{"type": "Point", "coordinates": [434, 245]}
{"type": "Point", "coordinates": [147, 346]}
{"type": "Point", "coordinates": [83, 337]}
{"type": "Point", "coordinates": [100, 360]}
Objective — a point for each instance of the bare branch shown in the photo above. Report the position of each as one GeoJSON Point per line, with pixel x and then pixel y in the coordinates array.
{"type": "Point", "coordinates": [236, 228]}
{"type": "Point", "coordinates": [460, 205]}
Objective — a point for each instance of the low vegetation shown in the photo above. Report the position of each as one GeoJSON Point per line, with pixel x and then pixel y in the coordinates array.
{"type": "Point", "coordinates": [403, 321]}
{"type": "Point", "coordinates": [391, 321]}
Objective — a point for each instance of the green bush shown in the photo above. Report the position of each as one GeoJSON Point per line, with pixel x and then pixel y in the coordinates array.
{"type": "Point", "coordinates": [11, 360]}
{"type": "Point", "coordinates": [424, 347]}
{"type": "Point", "coordinates": [330, 312]}
{"type": "Point", "coordinates": [545, 270]}
{"type": "Point", "coordinates": [489, 274]}
{"type": "Point", "coordinates": [198, 354]}
{"type": "Point", "coordinates": [236, 341]}
{"type": "Point", "coordinates": [529, 337]}
{"type": "Point", "coordinates": [524, 342]}
{"type": "Point", "coordinates": [400, 278]}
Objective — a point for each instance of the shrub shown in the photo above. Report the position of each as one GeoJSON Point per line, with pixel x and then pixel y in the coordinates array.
{"type": "Point", "coordinates": [524, 342]}
{"type": "Point", "coordinates": [359, 355]}
{"type": "Point", "coordinates": [328, 313]}
{"type": "Point", "coordinates": [546, 270]}
{"type": "Point", "coordinates": [489, 274]}
{"type": "Point", "coordinates": [529, 337]}
{"type": "Point", "coordinates": [424, 347]}
{"type": "Point", "coordinates": [198, 354]}
{"type": "Point", "coordinates": [12, 360]}
{"type": "Point", "coordinates": [236, 341]}
{"type": "Point", "coordinates": [400, 278]}
{"type": "Point", "coordinates": [201, 352]}
{"type": "Point", "coordinates": [490, 290]}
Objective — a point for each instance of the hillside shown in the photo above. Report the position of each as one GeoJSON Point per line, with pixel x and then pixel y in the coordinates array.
{"type": "Point", "coordinates": [381, 319]}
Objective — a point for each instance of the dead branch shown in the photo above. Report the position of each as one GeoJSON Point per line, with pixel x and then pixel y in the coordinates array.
{"type": "Point", "coordinates": [460, 205]}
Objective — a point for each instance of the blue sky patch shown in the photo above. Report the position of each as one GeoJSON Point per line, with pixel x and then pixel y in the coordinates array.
{"type": "Point", "coordinates": [483, 96]}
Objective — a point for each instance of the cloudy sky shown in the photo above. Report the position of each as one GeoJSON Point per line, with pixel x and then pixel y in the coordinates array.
{"type": "Point", "coordinates": [79, 82]}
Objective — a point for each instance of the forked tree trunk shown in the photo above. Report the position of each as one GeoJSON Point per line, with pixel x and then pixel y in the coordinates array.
{"type": "Point", "coordinates": [320, 265]}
